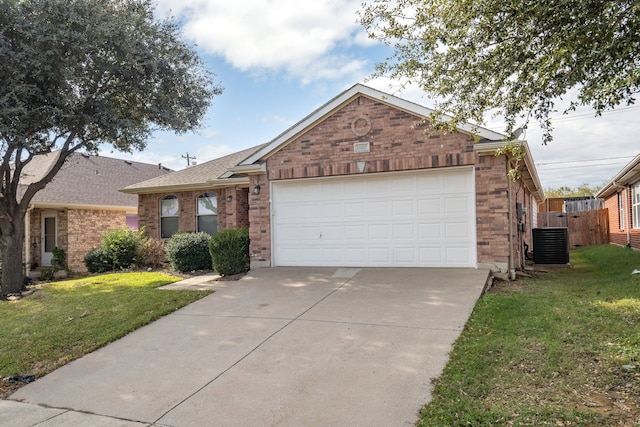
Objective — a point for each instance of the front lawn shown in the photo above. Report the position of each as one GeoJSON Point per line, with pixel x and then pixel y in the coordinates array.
{"type": "Point", "coordinates": [560, 349]}
{"type": "Point", "coordinates": [65, 320]}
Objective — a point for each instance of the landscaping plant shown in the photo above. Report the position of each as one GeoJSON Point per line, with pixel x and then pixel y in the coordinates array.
{"type": "Point", "coordinates": [230, 251]}
{"type": "Point", "coordinates": [121, 246]}
{"type": "Point", "coordinates": [189, 251]}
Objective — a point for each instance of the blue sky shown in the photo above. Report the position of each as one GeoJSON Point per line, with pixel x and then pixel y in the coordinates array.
{"type": "Point", "coordinates": [278, 60]}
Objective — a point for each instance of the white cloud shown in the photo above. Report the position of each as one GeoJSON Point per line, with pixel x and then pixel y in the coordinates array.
{"type": "Point", "coordinates": [301, 39]}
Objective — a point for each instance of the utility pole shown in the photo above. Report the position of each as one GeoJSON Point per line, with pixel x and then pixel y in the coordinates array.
{"type": "Point", "coordinates": [189, 158]}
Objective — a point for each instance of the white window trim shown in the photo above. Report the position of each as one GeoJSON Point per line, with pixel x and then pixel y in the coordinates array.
{"type": "Point", "coordinates": [635, 205]}
{"type": "Point", "coordinates": [621, 207]}
{"type": "Point", "coordinates": [167, 216]}
{"type": "Point", "coordinates": [198, 215]}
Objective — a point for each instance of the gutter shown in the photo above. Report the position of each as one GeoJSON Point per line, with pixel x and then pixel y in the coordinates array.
{"type": "Point", "coordinates": [213, 184]}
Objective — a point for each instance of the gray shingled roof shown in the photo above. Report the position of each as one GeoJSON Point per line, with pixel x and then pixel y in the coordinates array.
{"type": "Point", "coordinates": [206, 174]}
{"type": "Point", "coordinates": [89, 180]}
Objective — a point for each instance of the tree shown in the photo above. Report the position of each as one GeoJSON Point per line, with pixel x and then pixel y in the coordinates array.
{"type": "Point", "coordinates": [78, 74]}
{"type": "Point", "coordinates": [584, 190]}
{"type": "Point", "coordinates": [513, 58]}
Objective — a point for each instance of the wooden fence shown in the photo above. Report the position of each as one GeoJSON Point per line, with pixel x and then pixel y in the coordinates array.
{"type": "Point", "coordinates": [585, 228]}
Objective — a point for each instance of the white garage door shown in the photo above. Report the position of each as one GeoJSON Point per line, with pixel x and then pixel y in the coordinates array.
{"type": "Point", "coordinates": [417, 219]}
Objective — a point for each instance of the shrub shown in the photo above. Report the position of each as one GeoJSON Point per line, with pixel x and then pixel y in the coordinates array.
{"type": "Point", "coordinates": [47, 273]}
{"type": "Point", "coordinates": [189, 251]}
{"type": "Point", "coordinates": [59, 261]}
{"type": "Point", "coordinates": [230, 251]}
{"type": "Point", "coordinates": [97, 261]}
{"type": "Point", "coordinates": [151, 252]}
{"type": "Point", "coordinates": [121, 246]}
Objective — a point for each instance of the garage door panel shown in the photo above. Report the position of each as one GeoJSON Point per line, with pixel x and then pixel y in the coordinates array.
{"type": "Point", "coordinates": [458, 230]}
{"type": "Point", "coordinates": [403, 231]}
{"type": "Point", "coordinates": [430, 206]}
{"type": "Point", "coordinates": [379, 255]}
{"type": "Point", "coordinates": [355, 232]}
{"type": "Point", "coordinates": [329, 233]}
{"type": "Point", "coordinates": [355, 209]}
{"type": "Point", "coordinates": [403, 207]}
{"type": "Point", "coordinates": [423, 218]}
{"type": "Point", "coordinates": [379, 232]}
{"type": "Point", "coordinates": [430, 256]}
{"type": "Point", "coordinates": [431, 231]}
{"type": "Point", "coordinates": [456, 205]}
{"type": "Point", "coordinates": [333, 210]}
{"type": "Point", "coordinates": [378, 209]}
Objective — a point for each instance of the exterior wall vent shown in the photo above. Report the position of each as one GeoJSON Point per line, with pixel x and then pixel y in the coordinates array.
{"type": "Point", "coordinates": [551, 245]}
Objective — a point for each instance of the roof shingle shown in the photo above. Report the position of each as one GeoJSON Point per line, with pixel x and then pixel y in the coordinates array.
{"type": "Point", "coordinates": [89, 180]}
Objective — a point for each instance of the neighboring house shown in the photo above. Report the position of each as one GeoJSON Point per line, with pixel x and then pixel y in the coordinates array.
{"type": "Point", "coordinates": [80, 204]}
{"type": "Point", "coordinates": [622, 199]}
{"type": "Point", "coordinates": [359, 182]}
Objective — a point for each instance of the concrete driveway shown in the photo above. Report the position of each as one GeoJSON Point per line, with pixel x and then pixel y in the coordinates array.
{"type": "Point", "coordinates": [280, 347]}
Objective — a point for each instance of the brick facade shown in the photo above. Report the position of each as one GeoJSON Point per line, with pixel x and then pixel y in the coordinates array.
{"type": "Point", "coordinates": [622, 234]}
{"type": "Point", "coordinates": [233, 209]}
{"type": "Point", "coordinates": [397, 141]}
{"type": "Point", "coordinates": [396, 144]}
{"type": "Point", "coordinates": [78, 231]}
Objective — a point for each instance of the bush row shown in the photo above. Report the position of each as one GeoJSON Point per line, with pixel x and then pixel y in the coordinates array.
{"type": "Point", "coordinates": [227, 251]}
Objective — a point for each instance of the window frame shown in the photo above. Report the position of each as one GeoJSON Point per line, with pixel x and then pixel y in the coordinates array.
{"type": "Point", "coordinates": [162, 216]}
{"type": "Point", "coordinates": [621, 208]}
{"type": "Point", "coordinates": [635, 205]}
{"type": "Point", "coordinates": [206, 195]}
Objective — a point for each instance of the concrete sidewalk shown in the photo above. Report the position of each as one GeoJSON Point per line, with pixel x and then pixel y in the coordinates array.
{"type": "Point", "coordinates": [281, 346]}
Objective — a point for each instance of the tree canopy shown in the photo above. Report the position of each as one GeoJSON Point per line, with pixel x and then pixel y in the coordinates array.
{"type": "Point", "coordinates": [512, 58]}
{"type": "Point", "coordinates": [582, 190]}
{"type": "Point", "coordinates": [80, 73]}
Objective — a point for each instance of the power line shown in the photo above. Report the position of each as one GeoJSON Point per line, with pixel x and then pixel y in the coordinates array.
{"type": "Point", "coordinates": [582, 161]}
{"type": "Point", "coordinates": [582, 166]}
{"type": "Point", "coordinates": [567, 118]}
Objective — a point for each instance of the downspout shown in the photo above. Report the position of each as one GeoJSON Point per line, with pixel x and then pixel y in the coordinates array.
{"type": "Point", "coordinates": [512, 270]}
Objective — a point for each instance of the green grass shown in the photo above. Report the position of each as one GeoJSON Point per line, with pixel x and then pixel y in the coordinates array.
{"type": "Point", "coordinates": [67, 319]}
{"type": "Point", "coordinates": [553, 350]}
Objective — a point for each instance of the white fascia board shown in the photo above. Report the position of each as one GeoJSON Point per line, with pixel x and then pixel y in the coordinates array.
{"type": "Point", "coordinates": [625, 176]}
{"type": "Point", "coordinates": [490, 148]}
{"type": "Point", "coordinates": [78, 206]}
{"type": "Point", "coordinates": [212, 184]}
{"type": "Point", "coordinates": [346, 96]}
{"type": "Point", "coordinates": [252, 169]}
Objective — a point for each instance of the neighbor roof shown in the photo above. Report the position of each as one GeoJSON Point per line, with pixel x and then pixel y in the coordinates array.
{"type": "Point", "coordinates": [211, 174]}
{"type": "Point", "coordinates": [346, 97]}
{"type": "Point", "coordinates": [88, 180]}
{"type": "Point", "coordinates": [627, 175]}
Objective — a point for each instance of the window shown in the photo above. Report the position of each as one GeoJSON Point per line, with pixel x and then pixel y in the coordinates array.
{"type": "Point", "coordinates": [169, 210]}
{"type": "Point", "coordinates": [621, 205]}
{"type": "Point", "coordinates": [635, 207]}
{"type": "Point", "coordinates": [207, 213]}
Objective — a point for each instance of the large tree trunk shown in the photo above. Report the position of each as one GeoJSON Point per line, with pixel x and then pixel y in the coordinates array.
{"type": "Point", "coordinates": [11, 246]}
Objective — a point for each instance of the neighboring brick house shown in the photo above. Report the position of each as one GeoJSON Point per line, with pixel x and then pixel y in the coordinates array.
{"type": "Point", "coordinates": [622, 199]}
{"type": "Point", "coordinates": [80, 204]}
{"type": "Point", "coordinates": [360, 182]}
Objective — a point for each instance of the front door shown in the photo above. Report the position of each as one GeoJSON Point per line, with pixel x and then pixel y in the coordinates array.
{"type": "Point", "coordinates": [48, 238]}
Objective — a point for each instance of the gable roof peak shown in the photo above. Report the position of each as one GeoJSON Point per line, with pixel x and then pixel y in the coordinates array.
{"type": "Point", "coordinates": [347, 96]}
